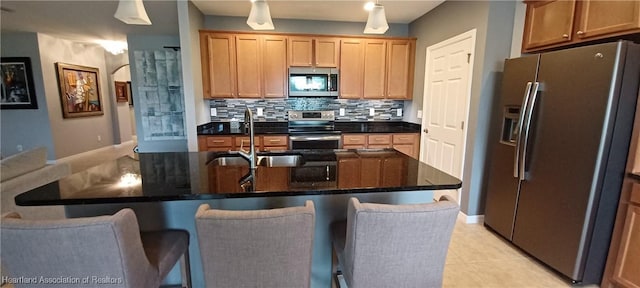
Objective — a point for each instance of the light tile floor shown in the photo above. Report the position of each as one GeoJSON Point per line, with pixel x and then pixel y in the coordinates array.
{"type": "Point", "coordinates": [477, 257]}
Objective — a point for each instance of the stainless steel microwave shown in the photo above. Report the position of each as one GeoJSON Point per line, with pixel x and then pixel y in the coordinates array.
{"type": "Point", "coordinates": [313, 82]}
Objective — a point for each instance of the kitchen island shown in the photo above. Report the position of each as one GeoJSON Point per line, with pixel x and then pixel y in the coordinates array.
{"type": "Point", "coordinates": [150, 184]}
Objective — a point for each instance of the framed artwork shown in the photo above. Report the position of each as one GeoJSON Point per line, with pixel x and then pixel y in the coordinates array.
{"type": "Point", "coordinates": [129, 93]}
{"type": "Point", "coordinates": [121, 91]}
{"type": "Point", "coordinates": [17, 84]}
{"type": "Point", "coordinates": [79, 90]}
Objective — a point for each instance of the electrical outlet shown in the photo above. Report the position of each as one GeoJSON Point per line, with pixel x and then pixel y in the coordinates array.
{"type": "Point", "coordinates": [19, 148]}
{"type": "Point", "coordinates": [99, 138]}
{"type": "Point", "coordinates": [214, 112]}
{"type": "Point", "coordinates": [420, 114]}
{"type": "Point", "coordinates": [399, 112]}
{"type": "Point", "coordinates": [342, 111]}
{"type": "Point", "coordinates": [372, 112]}
{"type": "Point", "coordinates": [260, 111]}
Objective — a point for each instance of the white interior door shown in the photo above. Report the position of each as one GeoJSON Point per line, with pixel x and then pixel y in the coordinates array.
{"type": "Point", "coordinates": [446, 98]}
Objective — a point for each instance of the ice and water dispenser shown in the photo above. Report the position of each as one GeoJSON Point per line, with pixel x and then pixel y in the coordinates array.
{"type": "Point", "coordinates": [511, 114]}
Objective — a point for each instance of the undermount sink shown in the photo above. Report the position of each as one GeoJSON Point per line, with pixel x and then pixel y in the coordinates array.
{"type": "Point", "coordinates": [265, 160]}
{"type": "Point", "coordinates": [291, 160]}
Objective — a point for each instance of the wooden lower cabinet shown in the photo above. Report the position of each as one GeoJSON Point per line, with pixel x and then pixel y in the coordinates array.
{"type": "Point", "coordinates": [407, 143]}
{"type": "Point", "coordinates": [371, 169]}
{"type": "Point", "coordinates": [354, 141]}
{"type": "Point", "coordinates": [272, 179]}
{"type": "Point", "coordinates": [234, 143]}
{"type": "Point", "coordinates": [349, 172]}
{"type": "Point", "coordinates": [224, 179]}
{"type": "Point", "coordinates": [626, 272]}
{"type": "Point", "coordinates": [275, 142]}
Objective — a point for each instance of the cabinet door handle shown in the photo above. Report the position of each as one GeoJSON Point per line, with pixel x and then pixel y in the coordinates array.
{"type": "Point", "coordinates": [218, 141]}
{"type": "Point", "coordinates": [565, 35]}
{"type": "Point", "coordinates": [580, 33]}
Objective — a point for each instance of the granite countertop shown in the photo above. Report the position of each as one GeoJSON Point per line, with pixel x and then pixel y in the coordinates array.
{"type": "Point", "coordinates": [152, 177]}
{"type": "Point", "coordinates": [224, 128]}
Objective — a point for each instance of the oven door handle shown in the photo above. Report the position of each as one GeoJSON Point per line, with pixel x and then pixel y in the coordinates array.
{"type": "Point", "coordinates": [314, 138]}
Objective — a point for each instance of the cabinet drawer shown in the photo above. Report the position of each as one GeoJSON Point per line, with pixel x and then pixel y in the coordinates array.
{"type": "Point", "coordinates": [404, 138]}
{"type": "Point", "coordinates": [276, 148]}
{"type": "Point", "coordinates": [268, 141]}
{"type": "Point", "coordinates": [635, 194]}
{"type": "Point", "coordinates": [379, 146]}
{"type": "Point", "coordinates": [244, 142]}
{"type": "Point", "coordinates": [219, 142]}
{"type": "Point", "coordinates": [379, 139]}
{"type": "Point", "coordinates": [354, 140]}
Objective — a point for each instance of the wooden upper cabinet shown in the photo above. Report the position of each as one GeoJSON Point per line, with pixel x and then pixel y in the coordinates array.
{"type": "Point", "coordinates": [387, 68]}
{"type": "Point", "coordinates": [375, 69]}
{"type": "Point", "coordinates": [274, 67]}
{"type": "Point", "coordinates": [248, 65]}
{"type": "Point", "coordinates": [255, 65]}
{"type": "Point", "coordinates": [301, 51]}
{"type": "Point", "coordinates": [400, 67]}
{"type": "Point", "coordinates": [608, 18]}
{"type": "Point", "coordinates": [327, 52]}
{"type": "Point", "coordinates": [244, 65]}
{"type": "Point", "coordinates": [218, 65]}
{"type": "Point", "coordinates": [548, 23]}
{"type": "Point", "coordinates": [314, 51]}
{"type": "Point", "coordinates": [557, 23]}
{"type": "Point", "coordinates": [351, 68]}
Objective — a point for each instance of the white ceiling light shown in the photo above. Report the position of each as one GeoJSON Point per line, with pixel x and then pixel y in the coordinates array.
{"type": "Point", "coordinates": [260, 17]}
{"type": "Point", "coordinates": [132, 12]}
{"type": "Point", "coordinates": [377, 21]}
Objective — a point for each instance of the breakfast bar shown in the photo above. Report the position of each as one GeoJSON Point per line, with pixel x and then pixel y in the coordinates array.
{"type": "Point", "coordinates": [165, 189]}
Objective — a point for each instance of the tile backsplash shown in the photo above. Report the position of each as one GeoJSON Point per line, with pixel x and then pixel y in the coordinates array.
{"type": "Point", "coordinates": [276, 109]}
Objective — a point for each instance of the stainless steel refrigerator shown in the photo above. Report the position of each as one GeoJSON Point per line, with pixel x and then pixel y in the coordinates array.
{"type": "Point", "coordinates": [557, 166]}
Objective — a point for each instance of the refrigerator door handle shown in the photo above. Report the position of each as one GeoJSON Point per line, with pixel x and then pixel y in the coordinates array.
{"type": "Point", "coordinates": [523, 156]}
{"type": "Point", "coordinates": [523, 113]}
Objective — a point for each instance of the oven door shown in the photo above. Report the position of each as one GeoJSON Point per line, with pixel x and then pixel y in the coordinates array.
{"type": "Point", "coordinates": [315, 141]}
{"type": "Point", "coordinates": [321, 174]}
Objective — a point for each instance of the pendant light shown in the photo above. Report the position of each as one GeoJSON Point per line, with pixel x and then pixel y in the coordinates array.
{"type": "Point", "coordinates": [377, 21]}
{"type": "Point", "coordinates": [132, 12]}
{"type": "Point", "coordinates": [260, 17]}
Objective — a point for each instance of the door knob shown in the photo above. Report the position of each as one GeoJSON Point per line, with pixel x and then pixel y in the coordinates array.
{"type": "Point", "coordinates": [425, 130]}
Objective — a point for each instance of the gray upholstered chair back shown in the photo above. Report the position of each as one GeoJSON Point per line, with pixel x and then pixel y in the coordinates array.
{"type": "Point", "coordinates": [106, 247]}
{"type": "Point", "coordinates": [261, 248]}
{"type": "Point", "coordinates": [397, 245]}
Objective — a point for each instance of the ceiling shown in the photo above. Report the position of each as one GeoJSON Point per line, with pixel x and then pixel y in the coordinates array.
{"type": "Point", "coordinates": [397, 11]}
{"type": "Point", "coordinates": [92, 20]}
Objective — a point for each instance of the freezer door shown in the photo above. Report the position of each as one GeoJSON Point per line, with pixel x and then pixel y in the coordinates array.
{"type": "Point", "coordinates": [566, 133]}
{"type": "Point", "coordinates": [502, 190]}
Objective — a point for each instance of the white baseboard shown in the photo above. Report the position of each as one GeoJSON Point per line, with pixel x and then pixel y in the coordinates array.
{"type": "Point", "coordinates": [473, 219]}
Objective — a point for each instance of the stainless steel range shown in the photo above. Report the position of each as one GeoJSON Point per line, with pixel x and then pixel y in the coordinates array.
{"type": "Point", "coordinates": [313, 130]}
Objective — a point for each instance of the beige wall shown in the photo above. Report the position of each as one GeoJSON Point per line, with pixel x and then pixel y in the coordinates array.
{"type": "Point", "coordinates": [75, 135]}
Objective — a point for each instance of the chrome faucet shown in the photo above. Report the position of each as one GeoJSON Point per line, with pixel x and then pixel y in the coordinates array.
{"type": "Point", "coordinates": [248, 125]}
{"type": "Point", "coordinates": [247, 181]}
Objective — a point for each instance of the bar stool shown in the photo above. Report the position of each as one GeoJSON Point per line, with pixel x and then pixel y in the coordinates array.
{"type": "Point", "coordinates": [383, 245]}
{"type": "Point", "coordinates": [260, 248]}
{"type": "Point", "coordinates": [91, 251]}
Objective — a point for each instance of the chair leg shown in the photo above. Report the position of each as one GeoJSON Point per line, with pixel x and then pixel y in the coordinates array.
{"type": "Point", "coordinates": [335, 269]}
{"type": "Point", "coordinates": [186, 269]}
